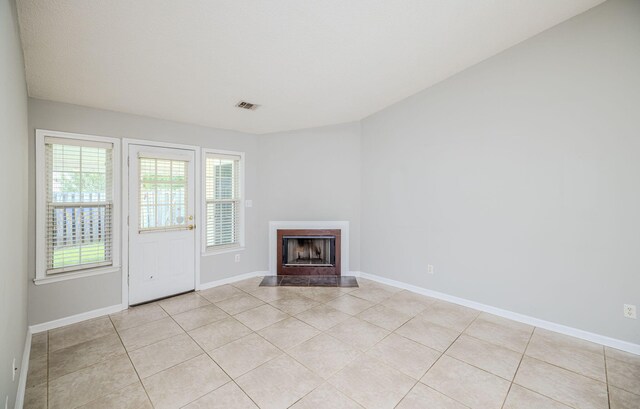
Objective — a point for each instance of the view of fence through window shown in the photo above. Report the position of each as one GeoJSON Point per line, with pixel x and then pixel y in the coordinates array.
{"type": "Point", "coordinates": [79, 205]}
{"type": "Point", "coordinates": [163, 193]}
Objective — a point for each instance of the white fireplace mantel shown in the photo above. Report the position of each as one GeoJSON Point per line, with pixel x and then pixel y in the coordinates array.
{"type": "Point", "coordinates": [343, 226]}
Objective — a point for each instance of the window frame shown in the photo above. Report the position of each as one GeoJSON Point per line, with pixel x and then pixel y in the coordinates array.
{"type": "Point", "coordinates": [240, 244]}
{"type": "Point", "coordinates": [41, 205]}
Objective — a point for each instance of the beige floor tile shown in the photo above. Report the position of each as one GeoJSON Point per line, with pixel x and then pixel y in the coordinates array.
{"type": "Point", "coordinates": [229, 396]}
{"type": "Point", "coordinates": [134, 316]}
{"type": "Point", "coordinates": [323, 317]}
{"type": "Point", "coordinates": [35, 397]}
{"type": "Point", "coordinates": [427, 333]}
{"type": "Point", "coordinates": [456, 317]}
{"type": "Point", "coordinates": [38, 371]}
{"type": "Point", "coordinates": [83, 386]}
{"type": "Point", "coordinates": [73, 358]}
{"type": "Point", "coordinates": [423, 397]}
{"type": "Point", "coordinates": [236, 305]}
{"type": "Point", "coordinates": [182, 303]}
{"type": "Point", "coordinates": [130, 397]}
{"type": "Point", "coordinates": [39, 345]}
{"type": "Point", "coordinates": [492, 358]}
{"type": "Point", "coordinates": [350, 305]}
{"type": "Point", "coordinates": [242, 355]}
{"type": "Point", "coordinates": [372, 384]}
{"type": "Point", "coordinates": [288, 333]}
{"type": "Point", "coordinates": [143, 335]}
{"type": "Point", "coordinates": [622, 355]}
{"type": "Point", "coordinates": [621, 399]}
{"type": "Point", "coordinates": [157, 357]}
{"type": "Point", "coordinates": [624, 374]}
{"type": "Point", "coordinates": [521, 398]}
{"type": "Point", "coordinates": [265, 384]}
{"type": "Point", "coordinates": [268, 294]}
{"type": "Point", "coordinates": [326, 397]}
{"type": "Point", "coordinates": [223, 292]}
{"type": "Point", "coordinates": [561, 385]}
{"type": "Point", "coordinates": [184, 383]}
{"type": "Point", "coordinates": [200, 316]}
{"type": "Point", "coordinates": [324, 355]}
{"type": "Point", "coordinates": [215, 335]}
{"type": "Point", "coordinates": [384, 317]}
{"type": "Point", "coordinates": [407, 356]}
{"type": "Point", "coordinates": [358, 333]}
{"type": "Point", "coordinates": [467, 384]}
{"type": "Point", "coordinates": [78, 333]}
{"type": "Point", "coordinates": [373, 294]}
{"type": "Point", "coordinates": [408, 303]}
{"type": "Point", "coordinates": [248, 285]}
{"type": "Point", "coordinates": [261, 317]}
{"type": "Point", "coordinates": [501, 331]}
{"type": "Point", "coordinates": [320, 294]}
{"type": "Point", "coordinates": [294, 304]}
{"type": "Point", "coordinates": [583, 357]}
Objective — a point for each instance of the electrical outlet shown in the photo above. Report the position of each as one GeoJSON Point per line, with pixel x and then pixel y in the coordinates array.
{"type": "Point", "coordinates": [630, 311]}
{"type": "Point", "coordinates": [248, 203]}
{"type": "Point", "coordinates": [237, 258]}
{"type": "Point", "coordinates": [430, 269]}
{"type": "Point", "coordinates": [14, 370]}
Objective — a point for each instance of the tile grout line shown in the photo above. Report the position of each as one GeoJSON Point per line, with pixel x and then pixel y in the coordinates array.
{"type": "Point", "coordinates": [132, 364]}
{"type": "Point", "coordinates": [606, 376]}
{"type": "Point", "coordinates": [517, 369]}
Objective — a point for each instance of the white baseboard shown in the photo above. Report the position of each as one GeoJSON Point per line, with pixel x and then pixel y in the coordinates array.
{"type": "Point", "coordinates": [233, 279]}
{"type": "Point", "coordinates": [548, 325]}
{"type": "Point", "coordinates": [24, 369]}
{"type": "Point", "coordinates": [46, 326]}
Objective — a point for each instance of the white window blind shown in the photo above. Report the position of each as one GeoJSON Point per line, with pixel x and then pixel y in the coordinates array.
{"type": "Point", "coordinates": [222, 195]}
{"type": "Point", "coordinates": [163, 194]}
{"type": "Point", "coordinates": [79, 204]}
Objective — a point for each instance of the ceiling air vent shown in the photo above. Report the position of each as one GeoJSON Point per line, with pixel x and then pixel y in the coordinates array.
{"type": "Point", "coordinates": [247, 105]}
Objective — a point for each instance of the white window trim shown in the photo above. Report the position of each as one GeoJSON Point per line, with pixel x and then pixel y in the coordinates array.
{"type": "Point", "coordinates": [209, 251]}
{"type": "Point", "coordinates": [41, 245]}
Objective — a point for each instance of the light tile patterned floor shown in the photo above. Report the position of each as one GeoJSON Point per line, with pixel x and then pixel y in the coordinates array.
{"type": "Point", "coordinates": [243, 346]}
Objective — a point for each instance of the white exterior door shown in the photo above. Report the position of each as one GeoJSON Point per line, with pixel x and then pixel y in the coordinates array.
{"type": "Point", "coordinates": [161, 222]}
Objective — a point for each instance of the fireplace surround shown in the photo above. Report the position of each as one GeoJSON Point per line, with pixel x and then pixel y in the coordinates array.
{"type": "Point", "coordinates": [342, 225]}
{"type": "Point", "coordinates": [308, 252]}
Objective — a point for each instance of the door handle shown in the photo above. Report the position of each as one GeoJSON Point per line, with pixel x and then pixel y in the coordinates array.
{"type": "Point", "coordinates": [191, 226]}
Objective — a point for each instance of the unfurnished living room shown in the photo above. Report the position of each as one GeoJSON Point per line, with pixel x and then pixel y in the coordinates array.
{"type": "Point", "coordinates": [337, 204]}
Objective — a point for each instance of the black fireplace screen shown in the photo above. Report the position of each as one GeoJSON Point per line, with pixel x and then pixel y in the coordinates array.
{"type": "Point", "coordinates": [316, 251]}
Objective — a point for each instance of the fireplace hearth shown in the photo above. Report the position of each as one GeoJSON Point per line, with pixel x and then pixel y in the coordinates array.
{"type": "Point", "coordinates": [308, 252]}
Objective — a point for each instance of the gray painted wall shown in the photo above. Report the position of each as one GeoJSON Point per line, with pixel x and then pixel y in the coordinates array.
{"type": "Point", "coordinates": [312, 174]}
{"type": "Point", "coordinates": [518, 178]}
{"type": "Point", "coordinates": [61, 299]}
{"type": "Point", "coordinates": [13, 179]}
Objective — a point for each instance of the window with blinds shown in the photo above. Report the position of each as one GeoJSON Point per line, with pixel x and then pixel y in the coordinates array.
{"type": "Point", "coordinates": [79, 204]}
{"type": "Point", "coordinates": [223, 201]}
{"type": "Point", "coordinates": [163, 194]}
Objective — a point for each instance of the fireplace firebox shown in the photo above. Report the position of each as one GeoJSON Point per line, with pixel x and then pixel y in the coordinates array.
{"type": "Point", "coordinates": [308, 252]}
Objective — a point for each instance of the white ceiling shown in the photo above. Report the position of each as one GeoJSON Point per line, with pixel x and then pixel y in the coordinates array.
{"type": "Point", "coordinates": [307, 63]}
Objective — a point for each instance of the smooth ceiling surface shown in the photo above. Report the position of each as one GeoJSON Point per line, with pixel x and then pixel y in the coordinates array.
{"type": "Point", "coordinates": [307, 63]}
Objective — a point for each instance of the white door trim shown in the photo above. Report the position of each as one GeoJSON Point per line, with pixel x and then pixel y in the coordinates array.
{"type": "Point", "coordinates": [125, 207]}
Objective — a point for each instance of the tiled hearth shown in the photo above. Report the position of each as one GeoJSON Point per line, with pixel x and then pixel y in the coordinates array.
{"type": "Point", "coordinates": [309, 281]}
{"type": "Point", "coordinates": [246, 346]}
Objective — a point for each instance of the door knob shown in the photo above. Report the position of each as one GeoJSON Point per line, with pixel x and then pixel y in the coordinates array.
{"type": "Point", "coordinates": [191, 226]}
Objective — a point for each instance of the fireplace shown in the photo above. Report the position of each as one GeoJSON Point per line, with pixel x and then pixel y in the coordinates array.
{"type": "Point", "coordinates": [308, 252]}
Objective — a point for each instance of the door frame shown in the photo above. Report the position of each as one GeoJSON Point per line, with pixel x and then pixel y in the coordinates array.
{"type": "Point", "coordinates": [125, 207]}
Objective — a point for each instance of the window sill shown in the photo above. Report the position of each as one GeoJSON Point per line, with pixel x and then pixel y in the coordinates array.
{"type": "Point", "coordinates": [79, 274]}
{"type": "Point", "coordinates": [213, 252]}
